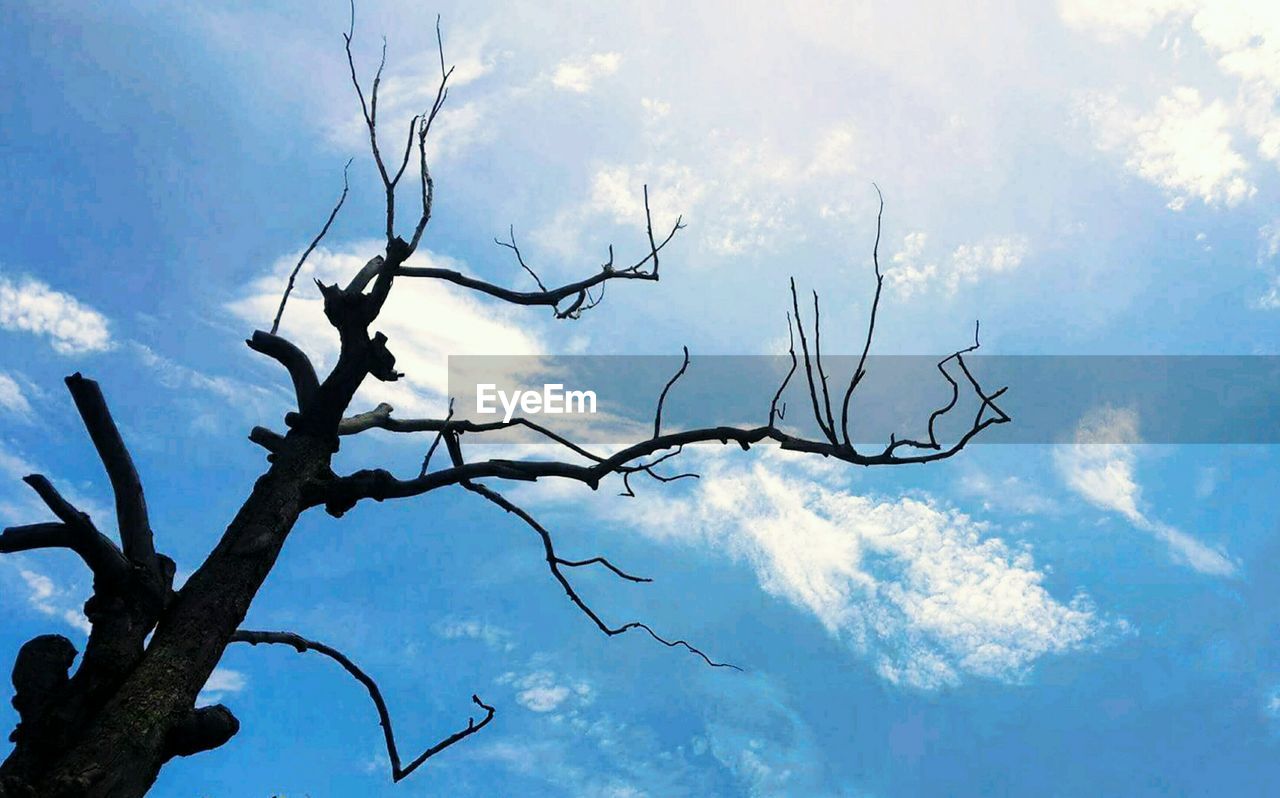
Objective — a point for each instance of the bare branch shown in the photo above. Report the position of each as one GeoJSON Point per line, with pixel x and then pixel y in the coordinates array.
{"type": "Point", "coordinates": [554, 562]}
{"type": "Point", "coordinates": [426, 461]}
{"type": "Point", "coordinates": [576, 292]}
{"type": "Point", "coordinates": [808, 366]}
{"type": "Point", "coordinates": [270, 440]}
{"type": "Point", "coordinates": [424, 129]}
{"type": "Point", "coordinates": [74, 531]}
{"type": "Point", "coordinates": [275, 324]}
{"type": "Point", "coordinates": [131, 505]}
{"type": "Point", "coordinates": [302, 645]}
{"type": "Point", "coordinates": [657, 416]}
{"type": "Point", "coordinates": [860, 371]}
{"type": "Point", "coordinates": [283, 351]}
{"type": "Point", "coordinates": [781, 412]}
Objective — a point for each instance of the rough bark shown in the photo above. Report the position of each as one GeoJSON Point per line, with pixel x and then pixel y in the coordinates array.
{"type": "Point", "coordinates": [119, 753]}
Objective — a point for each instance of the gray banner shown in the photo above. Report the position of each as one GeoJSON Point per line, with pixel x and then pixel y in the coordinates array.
{"type": "Point", "coordinates": [611, 399]}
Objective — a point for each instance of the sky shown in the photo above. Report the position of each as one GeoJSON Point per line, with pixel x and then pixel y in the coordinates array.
{"type": "Point", "coordinates": [1092, 618]}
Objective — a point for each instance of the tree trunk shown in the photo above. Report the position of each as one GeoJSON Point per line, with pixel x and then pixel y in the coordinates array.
{"type": "Point", "coordinates": [134, 730]}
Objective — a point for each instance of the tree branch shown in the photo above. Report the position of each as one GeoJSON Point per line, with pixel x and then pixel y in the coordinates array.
{"type": "Point", "coordinates": [552, 297]}
{"type": "Point", "coordinates": [295, 361]}
{"type": "Point", "coordinates": [202, 729]}
{"type": "Point", "coordinates": [275, 324]}
{"type": "Point", "coordinates": [74, 531]}
{"type": "Point", "coordinates": [302, 645]}
{"type": "Point", "coordinates": [131, 506]}
{"type": "Point", "coordinates": [554, 562]}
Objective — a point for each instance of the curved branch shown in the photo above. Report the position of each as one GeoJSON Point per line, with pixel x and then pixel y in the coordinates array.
{"type": "Point", "coordinates": [295, 361]}
{"type": "Point", "coordinates": [288, 289]}
{"type": "Point", "coordinates": [302, 645]}
{"type": "Point", "coordinates": [662, 400]}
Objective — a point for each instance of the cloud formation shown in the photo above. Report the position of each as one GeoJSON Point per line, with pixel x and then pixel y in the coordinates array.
{"type": "Point", "coordinates": [31, 306]}
{"type": "Point", "coordinates": [1101, 468]}
{"type": "Point", "coordinates": [925, 592]}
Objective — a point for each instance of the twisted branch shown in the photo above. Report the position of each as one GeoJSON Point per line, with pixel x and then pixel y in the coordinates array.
{"type": "Point", "coordinates": [398, 772]}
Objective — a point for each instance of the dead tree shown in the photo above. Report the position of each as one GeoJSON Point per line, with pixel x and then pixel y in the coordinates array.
{"type": "Point", "coordinates": [106, 729]}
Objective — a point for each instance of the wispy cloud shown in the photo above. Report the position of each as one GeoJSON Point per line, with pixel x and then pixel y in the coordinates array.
{"type": "Point", "coordinates": [29, 305]}
{"type": "Point", "coordinates": [495, 637]}
{"type": "Point", "coordinates": [12, 398]}
{"type": "Point", "coordinates": [1101, 466]}
{"type": "Point", "coordinates": [927, 593]}
{"type": "Point", "coordinates": [48, 598]}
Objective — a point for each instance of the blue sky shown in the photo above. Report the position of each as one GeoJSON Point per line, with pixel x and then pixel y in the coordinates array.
{"type": "Point", "coordinates": [1023, 620]}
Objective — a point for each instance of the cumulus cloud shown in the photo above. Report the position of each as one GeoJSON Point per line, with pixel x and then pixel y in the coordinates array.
{"type": "Point", "coordinates": [912, 270]}
{"type": "Point", "coordinates": [579, 74]}
{"type": "Point", "coordinates": [1101, 465]}
{"type": "Point", "coordinates": [29, 305]}
{"type": "Point", "coordinates": [925, 592]}
{"type": "Point", "coordinates": [1184, 146]}
{"type": "Point", "coordinates": [544, 691]}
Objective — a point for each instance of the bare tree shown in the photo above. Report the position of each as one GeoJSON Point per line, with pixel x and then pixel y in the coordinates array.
{"type": "Point", "coordinates": [106, 729]}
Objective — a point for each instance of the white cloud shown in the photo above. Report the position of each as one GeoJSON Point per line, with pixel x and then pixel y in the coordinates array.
{"type": "Point", "coordinates": [543, 691]}
{"type": "Point", "coordinates": [49, 599]}
{"type": "Point", "coordinates": [1100, 466]}
{"type": "Point", "coordinates": [29, 305]}
{"type": "Point", "coordinates": [221, 682]}
{"type": "Point", "coordinates": [925, 592]}
{"type": "Point", "coordinates": [913, 271]}
{"type": "Point", "coordinates": [579, 74]}
{"type": "Point", "coordinates": [13, 399]}
{"type": "Point", "coordinates": [494, 637]}
{"type": "Point", "coordinates": [1184, 146]}
{"type": "Point", "coordinates": [425, 321]}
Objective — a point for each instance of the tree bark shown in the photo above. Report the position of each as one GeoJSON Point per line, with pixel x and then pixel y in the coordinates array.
{"type": "Point", "coordinates": [126, 742]}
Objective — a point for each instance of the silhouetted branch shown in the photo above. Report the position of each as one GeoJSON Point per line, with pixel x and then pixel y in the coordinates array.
{"type": "Point", "coordinates": [657, 416]}
{"type": "Point", "coordinates": [202, 729]}
{"type": "Point", "coordinates": [295, 361]}
{"type": "Point", "coordinates": [554, 562]}
{"type": "Point", "coordinates": [554, 296]}
{"type": "Point", "coordinates": [302, 645]}
{"type": "Point", "coordinates": [780, 412]}
{"type": "Point", "coordinates": [275, 324]}
{"type": "Point", "coordinates": [131, 505]}
{"type": "Point", "coordinates": [860, 371]}
{"type": "Point", "coordinates": [74, 531]}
